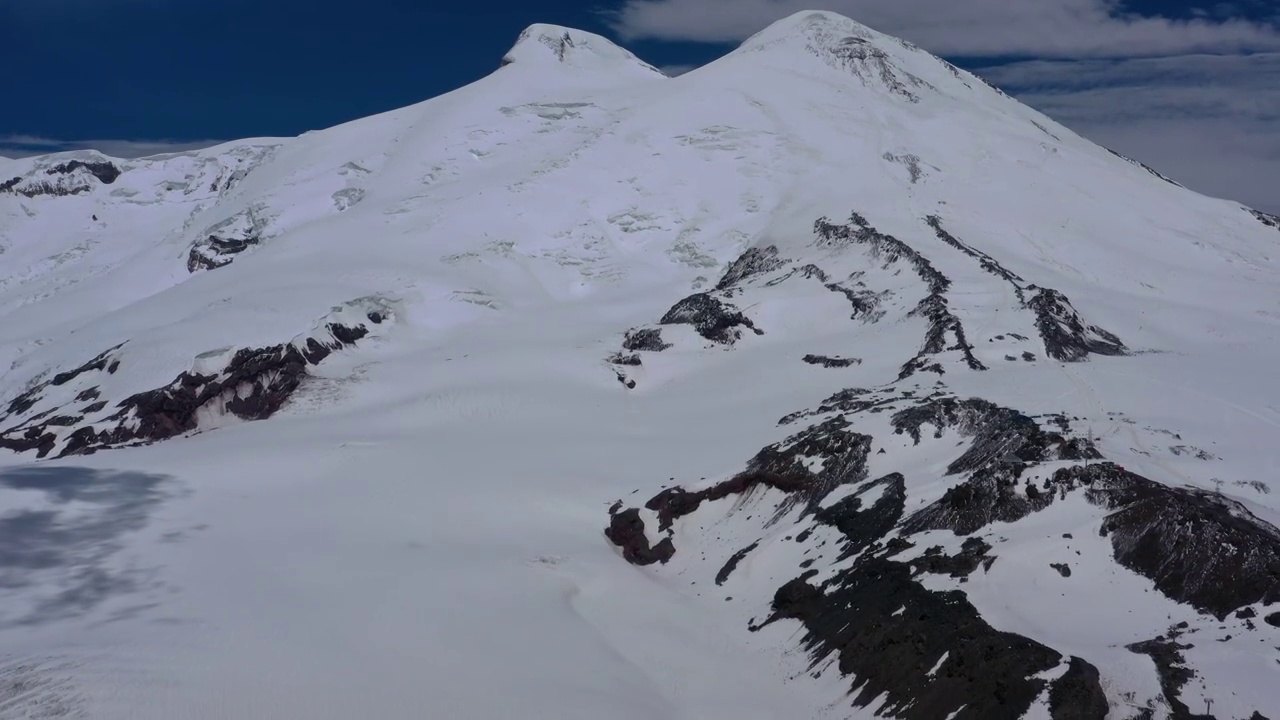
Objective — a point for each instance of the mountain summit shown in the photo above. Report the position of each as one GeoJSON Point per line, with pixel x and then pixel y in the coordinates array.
{"type": "Point", "coordinates": [541, 45]}
{"type": "Point", "coordinates": [825, 381]}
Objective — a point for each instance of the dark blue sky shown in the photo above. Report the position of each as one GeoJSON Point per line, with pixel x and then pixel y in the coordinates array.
{"type": "Point", "coordinates": [200, 69]}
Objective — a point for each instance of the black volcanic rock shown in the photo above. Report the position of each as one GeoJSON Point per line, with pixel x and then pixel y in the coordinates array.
{"type": "Point", "coordinates": [1078, 695]}
{"type": "Point", "coordinates": [647, 339]}
{"type": "Point", "coordinates": [924, 655]}
{"type": "Point", "coordinates": [827, 361]}
{"type": "Point", "coordinates": [732, 563]}
{"type": "Point", "coordinates": [755, 261]}
{"type": "Point", "coordinates": [710, 317]}
{"type": "Point", "coordinates": [254, 384]}
{"type": "Point", "coordinates": [1199, 547]}
{"type": "Point", "coordinates": [1065, 334]}
{"type": "Point", "coordinates": [106, 172]}
{"type": "Point", "coordinates": [626, 530]}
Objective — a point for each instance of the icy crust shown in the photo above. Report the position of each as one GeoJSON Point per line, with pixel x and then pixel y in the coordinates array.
{"type": "Point", "coordinates": [918, 652]}
{"type": "Point", "coordinates": [68, 415]}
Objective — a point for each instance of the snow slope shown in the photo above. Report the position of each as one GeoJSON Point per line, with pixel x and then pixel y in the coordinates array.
{"type": "Point", "coordinates": [476, 323]}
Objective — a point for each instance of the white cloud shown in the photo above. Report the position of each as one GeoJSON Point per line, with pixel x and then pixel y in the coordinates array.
{"type": "Point", "coordinates": [16, 146]}
{"type": "Point", "coordinates": [963, 28]}
{"type": "Point", "coordinates": [1210, 122]}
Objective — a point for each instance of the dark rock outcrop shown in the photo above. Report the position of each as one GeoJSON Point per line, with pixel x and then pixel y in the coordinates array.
{"type": "Point", "coordinates": [827, 361]}
{"type": "Point", "coordinates": [253, 385]}
{"type": "Point", "coordinates": [710, 317]}
{"type": "Point", "coordinates": [732, 563]}
{"type": "Point", "coordinates": [1272, 221]}
{"type": "Point", "coordinates": [647, 339]}
{"type": "Point", "coordinates": [1067, 337]}
{"type": "Point", "coordinates": [106, 172]}
{"type": "Point", "coordinates": [866, 304]}
{"type": "Point", "coordinates": [923, 654]}
{"type": "Point", "coordinates": [1166, 653]}
{"type": "Point", "coordinates": [1198, 547]}
{"type": "Point", "coordinates": [974, 553]}
{"type": "Point", "coordinates": [782, 467]}
{"type": "Point", "coordinates": [1003, 438]}
{"type": "Point", "coordinates": [1144, 166]}
{"type": "Point", "coordinates": [987, 262]}
{"type": "Point", "coordinates": [626, 530]}
{"type": "Point", "coordinates": [850, 400]}
{"type": "Point", "coordinates": [942, 323]}
{"type": "Point", "coordinates": [214, 252]}
{"type": "Point", "coordinates": [755, 261]}
{"type": "Point", "coordinates": [1078, 695]}
{"type": "Point", "coordinates": [862, 528]}
{"type": "Point", "coordinates": [101, 362]}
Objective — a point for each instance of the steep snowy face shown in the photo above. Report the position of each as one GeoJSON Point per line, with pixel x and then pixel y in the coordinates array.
{"type": "Point", "coordinates": [864, 358]}
{"type": "Point", "coordinates": [547, 47]}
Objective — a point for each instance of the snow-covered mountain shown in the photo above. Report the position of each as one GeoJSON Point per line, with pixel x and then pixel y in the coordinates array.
{"type": "Point", "coordinates": [892, 397]}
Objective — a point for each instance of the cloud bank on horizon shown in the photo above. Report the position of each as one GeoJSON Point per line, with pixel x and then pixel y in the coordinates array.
{"type": "Point", "coordinates": [1198, 97]}
{"type": "Point", "coordinates": [17, 146]}
{"type": "Point", "coordinates": [975, 28]}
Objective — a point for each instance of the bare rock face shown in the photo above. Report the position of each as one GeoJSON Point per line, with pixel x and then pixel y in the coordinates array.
{"type": "Point", "coordinates": [1066, 335]}
{"type": "Point", "coordinates": [1199, 547]}
{"type": "Point", "coordinates": [753, 262]}
{"type": "Point", "coordinates": [828, 361]}
{"type": "Point", "coordinates": [712, 318]}
{"type": "Point", "coordinates": [105, 171]}
{"type": "Point", "coordinates": [626, 530]}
